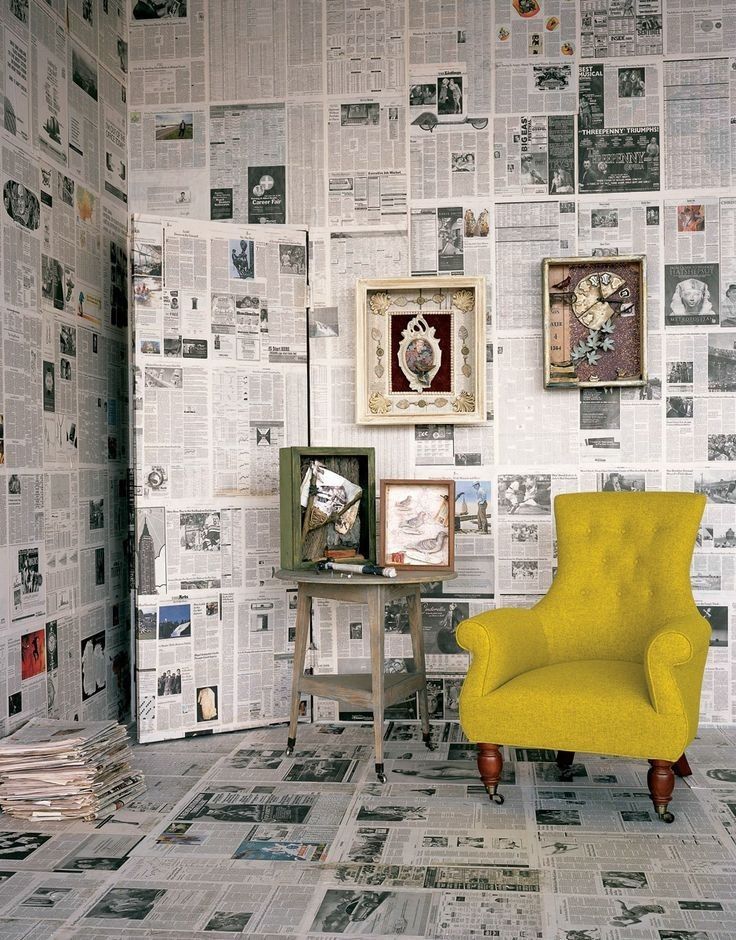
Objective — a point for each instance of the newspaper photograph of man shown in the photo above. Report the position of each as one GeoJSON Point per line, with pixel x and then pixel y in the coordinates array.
{"type": "Point", "coordinates": [174, 125]}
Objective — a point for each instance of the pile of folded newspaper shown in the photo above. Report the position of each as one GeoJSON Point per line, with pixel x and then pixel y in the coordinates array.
{"type": "Point", "coordinates": [53, 769]}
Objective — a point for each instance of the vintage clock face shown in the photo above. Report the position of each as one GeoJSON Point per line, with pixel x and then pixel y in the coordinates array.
{"type": "Point", "coordinates": [598, 297]}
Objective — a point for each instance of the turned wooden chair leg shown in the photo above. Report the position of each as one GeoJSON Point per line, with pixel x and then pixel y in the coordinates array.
{"type": "Point", "coordinates": [681, 766]}
{"type": "Point", "coordinates": [490, 765]}
{"type": "Point", "coordinates": [661, 781]}
{"type": "Point", "coordinates": [564, 763]}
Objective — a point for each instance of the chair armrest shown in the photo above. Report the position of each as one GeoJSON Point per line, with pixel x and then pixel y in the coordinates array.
{"type": "Point", "coordinates": [674, 661]}
{"type": "Point", "coordinates": [503, 643]}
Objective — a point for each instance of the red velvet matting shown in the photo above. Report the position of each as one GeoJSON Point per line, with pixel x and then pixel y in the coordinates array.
{"type": "Point", "coordinates": [442, 323]}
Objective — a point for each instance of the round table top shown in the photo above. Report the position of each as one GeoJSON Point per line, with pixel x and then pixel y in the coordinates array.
{"type": "Point", "coordinates": [403, 576]}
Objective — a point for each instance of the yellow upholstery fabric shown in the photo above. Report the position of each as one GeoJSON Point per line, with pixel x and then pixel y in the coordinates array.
{"type": "Point", "coordinates": [611, 660]}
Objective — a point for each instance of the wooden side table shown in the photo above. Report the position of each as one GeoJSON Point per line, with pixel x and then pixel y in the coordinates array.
{"type": "Point", "coordinates": [373, 690]}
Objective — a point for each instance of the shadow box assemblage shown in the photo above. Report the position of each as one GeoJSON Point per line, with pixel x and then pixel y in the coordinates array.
{"type": "Point", "coordinates": [328, 505]}
{"type": "Point", "coordinates": [595, 324]}
{"type": "Point", "coordinates": [421, 350]}
{"type": "Point", "coordinates": [418, 524]}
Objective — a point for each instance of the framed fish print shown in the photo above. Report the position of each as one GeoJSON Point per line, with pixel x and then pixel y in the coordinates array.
{"type": "Point", "coordinates": [595, 326]}
{"type": "Point", "coordinates": [418, 524]}
{"type": "Point", "coordinates": [421, 350]}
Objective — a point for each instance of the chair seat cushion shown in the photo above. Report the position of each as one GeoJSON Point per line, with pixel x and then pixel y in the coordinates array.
{"type": "Point", "coordinates": [598, 706]}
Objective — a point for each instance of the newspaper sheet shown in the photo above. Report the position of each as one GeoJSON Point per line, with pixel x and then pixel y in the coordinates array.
{"type": "Point", "coordinates": [366, 146]}
{"type": "Point", "coordinates": [706, 27]}
{"type": "Point", "coordinates": [536, 89]}
{"type": "Point", "coordinates": [622, 27]}
{"type": "Point", "coordinates": [551, 35]}
{"type": "Point", "coordinates": [701, 152]}
{"type": "Point", "coordinates": [456, 33]}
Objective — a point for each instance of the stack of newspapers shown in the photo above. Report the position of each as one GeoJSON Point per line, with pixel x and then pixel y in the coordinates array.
{"type": "Point", "coordinates": [53, 769]}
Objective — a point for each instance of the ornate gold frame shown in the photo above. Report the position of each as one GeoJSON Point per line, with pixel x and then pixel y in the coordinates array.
{"type": "Point", "coordinates": [462, 399]}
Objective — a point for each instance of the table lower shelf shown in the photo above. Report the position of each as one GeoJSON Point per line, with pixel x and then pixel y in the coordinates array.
{"type": "Point", "coordinates": [357, 688]}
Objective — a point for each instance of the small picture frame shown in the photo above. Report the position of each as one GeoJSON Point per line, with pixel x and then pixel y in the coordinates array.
{"type": "Point", "coordinates": [421, 351]}
{"type": "Point", "coordinates": [418, 524]}
{"type": "Point", "coordinates": [595, 324]}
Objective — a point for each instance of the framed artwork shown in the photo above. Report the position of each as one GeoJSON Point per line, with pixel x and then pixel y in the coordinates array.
{"type": "Point", "coordinates": [327, 505]}
{"type": "Point", "coordinates": [595, 325]}
{"type": "Point", "coordinates": [421, 350]}
{"type": "Point", "coordinates": [418, 523]}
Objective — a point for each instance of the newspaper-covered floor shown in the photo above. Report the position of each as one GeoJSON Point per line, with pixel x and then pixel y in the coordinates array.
{"type": "Point", "coordinates": [232, 838]}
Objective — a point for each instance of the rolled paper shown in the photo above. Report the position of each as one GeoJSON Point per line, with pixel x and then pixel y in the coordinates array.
{"type": "Point", "coordinates": [357, 569]}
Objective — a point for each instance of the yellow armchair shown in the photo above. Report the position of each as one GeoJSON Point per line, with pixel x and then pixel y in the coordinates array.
{"type": "Point", "coordinates": [611, 660]}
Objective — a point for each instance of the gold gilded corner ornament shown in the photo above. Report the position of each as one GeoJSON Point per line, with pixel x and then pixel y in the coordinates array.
{"type": "Point", "coordinates": [378, 404]}
{"type": "Point", "coordinates": [465, 401]}
{"type": "Point", "coordinates": [380, 302]}
{"type": "Point", "coordinates": [464, 300]}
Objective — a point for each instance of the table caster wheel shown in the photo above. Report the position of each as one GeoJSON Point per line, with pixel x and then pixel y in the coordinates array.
{"type": "Point", "coordinates": [427, 738]}
{"type": "Point", "coordinates": [666, 817]}
{"type": "Point", "coordinates": [497, 799]}
{"type": "Point", "coordinates": [290, 745]}
{"type": "Point", "coordinates": [381, 778]}
{"type": "Point", "coordinates": [289, 751]}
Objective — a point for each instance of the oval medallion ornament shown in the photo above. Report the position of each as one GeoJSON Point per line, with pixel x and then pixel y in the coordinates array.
{"type": "Point", "coordinates": [419, 354]}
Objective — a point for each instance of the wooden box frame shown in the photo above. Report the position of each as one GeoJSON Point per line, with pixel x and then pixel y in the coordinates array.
{"type": "Point", "coordinates": [565, 330]}
{"type": "Point", "coordinates": [290, 478]}
{"type": "Point", "coordinates": [388, 558]}
{"type": "Point", "coordinates": [388, 309]}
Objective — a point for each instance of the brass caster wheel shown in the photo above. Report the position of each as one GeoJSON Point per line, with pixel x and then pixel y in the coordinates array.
{"type": "Point", "coordinates": [666, 816]}
{"type": "Point", "coordinates": [497, 799]}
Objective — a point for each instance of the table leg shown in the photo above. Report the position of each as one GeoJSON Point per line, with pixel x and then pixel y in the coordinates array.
{"type": "Point", "coordinates": [301, 640]}
{"type": "Point", "coordinates": [375, 620]}
{"type": "Point", "coordinates": [414, 602]}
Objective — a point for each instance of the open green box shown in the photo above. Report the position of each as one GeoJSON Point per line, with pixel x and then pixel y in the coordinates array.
{"type": "Point", "coordinates": [356, 464]}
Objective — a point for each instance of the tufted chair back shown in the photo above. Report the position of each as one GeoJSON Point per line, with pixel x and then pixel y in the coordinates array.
{"type": "Point", "coordinates": [623, 570]}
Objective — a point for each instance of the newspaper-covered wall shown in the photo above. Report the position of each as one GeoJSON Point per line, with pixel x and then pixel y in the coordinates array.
{"type": "Point", "coordinates": [64, 618]}
{"type": "Point", "coordinates": [220, 384]}
{"type": "Point", "coordinates": [476, 137]}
